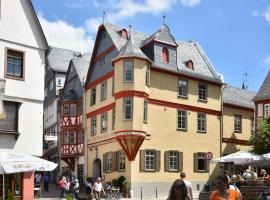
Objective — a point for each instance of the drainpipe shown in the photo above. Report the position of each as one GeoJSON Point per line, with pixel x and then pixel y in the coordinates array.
{"type": "Point", "coordinates": [85, 151]}
{"type": "Point", "coordinates": [221, 119]}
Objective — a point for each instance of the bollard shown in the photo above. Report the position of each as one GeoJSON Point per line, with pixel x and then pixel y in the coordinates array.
{"type": "Point", "coordinates": [156, 193]}
{"type": "Point", "coordinates": [141, 193]}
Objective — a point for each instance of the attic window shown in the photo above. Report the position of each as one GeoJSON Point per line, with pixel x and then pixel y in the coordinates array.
{"type": "Point", "coordinates": [189, 64]}
{"type": "Point", "coordinates": [165, 55]}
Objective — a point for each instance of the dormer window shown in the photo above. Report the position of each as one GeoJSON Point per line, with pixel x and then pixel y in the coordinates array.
{"type": "Point", "coordinates": [165, 55]}
{"type": "Point", "coordinates": [189, 64]}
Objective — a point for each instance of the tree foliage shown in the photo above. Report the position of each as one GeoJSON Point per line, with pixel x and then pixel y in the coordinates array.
{"type": "Point", "coordinates": [260, 139]}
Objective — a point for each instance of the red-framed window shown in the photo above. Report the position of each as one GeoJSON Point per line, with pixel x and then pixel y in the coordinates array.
{"type": "Point", "coordinates": [165, 55]}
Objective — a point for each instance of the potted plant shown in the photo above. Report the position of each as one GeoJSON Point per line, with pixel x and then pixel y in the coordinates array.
{"type": "Point", "coordinates": [126, 188]}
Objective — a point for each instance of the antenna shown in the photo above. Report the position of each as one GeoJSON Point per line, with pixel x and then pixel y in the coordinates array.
{"type": "Point", "coordinates": [103, 17]}
{"type": "Point", "coordinates": [164, 19]}
{"type": "Point", "coordinates": [245, 82]}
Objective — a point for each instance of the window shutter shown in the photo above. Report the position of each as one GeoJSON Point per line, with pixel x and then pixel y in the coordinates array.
{"type": "Point", "coordinates": [157, 160]}
{"type": "Point", "coordinates": [195, 162]}
{"type": "Point", "coordinates": [142, 161]}
{"type": "Point", "coordinates": [104, 162]}
{"type": "Point", "coordinates": [114, 163]}
{"type": "Point", "coordinates": [180, 157]}
{"type": "Point", "coordinates": [117, 160]}
{"type": "Point", "coordinates": [167, 161]}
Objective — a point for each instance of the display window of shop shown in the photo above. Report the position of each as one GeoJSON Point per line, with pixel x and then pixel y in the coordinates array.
{"type": "Point", "coordinates": [13, 184]}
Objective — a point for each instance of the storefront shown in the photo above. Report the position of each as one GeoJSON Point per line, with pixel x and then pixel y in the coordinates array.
{"type": "Point", "coordinates": [19, 185]}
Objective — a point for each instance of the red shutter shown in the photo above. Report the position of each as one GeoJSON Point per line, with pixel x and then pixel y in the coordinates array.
{"type": "Point", "coordinates": [165, 55]}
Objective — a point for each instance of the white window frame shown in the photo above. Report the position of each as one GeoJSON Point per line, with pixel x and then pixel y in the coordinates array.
{"type": "Point", "coordinates": [128, 106]}
{"type": "Point", "coordinates": [128, 67]}
{"type": "Point", "coordinates": [238, 123]}
{"type": "Point", "coordinates": [201, 156]}
{"type": "Point", "coordinates": [93, 125]}
{"type": "Point", "coordinates": [93, 94]}
{"type": "Point", "coordinates": [66, 138]}
{"type": "Point", "coordinates": [201, 123]}
{"type": "Point", "coordinates": [145, 111]}
{"type": "Point", "coordinates": [122, 161]}
{"type": "Point", "coordinates": [104, 122]}
{"type": "Point", "coordinates": [150, 160]}
{"type": "Point", "coordinates": [103, 91]}
{"type": "Point", "coordinates": [181, 119]}
{"type": "Point", "coordinates": [147, 75]}
{"type": "Point", "coordinates": [202, 92]}
{"type": "Point", "coordinates": [183, 86]}
{"type": "Point", "coordinates": [72, 136]}
{"type": "Point", "coordinates": [173, 161]}
{"type": "Point", "coordinates": [109, 162]}
{"type": "Point", "coordinates": [73, 109]}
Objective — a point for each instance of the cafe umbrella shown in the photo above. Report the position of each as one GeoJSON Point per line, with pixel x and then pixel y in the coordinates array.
{"type": "Point", "coordinates": [11, 162]}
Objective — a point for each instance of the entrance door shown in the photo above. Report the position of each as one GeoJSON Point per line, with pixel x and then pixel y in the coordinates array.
{"type": "Point", "coordinates": [97, 168]}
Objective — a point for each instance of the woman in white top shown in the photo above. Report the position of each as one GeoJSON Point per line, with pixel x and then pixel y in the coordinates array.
{"type": "Point", "coordinates": [97, 188]}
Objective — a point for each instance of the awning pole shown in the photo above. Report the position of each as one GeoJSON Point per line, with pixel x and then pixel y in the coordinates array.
{"type": "Point", "coordinates": [3, 185]}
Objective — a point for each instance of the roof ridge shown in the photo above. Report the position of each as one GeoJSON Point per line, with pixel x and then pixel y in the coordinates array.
{"type": "Point", "coordinates": [238, 88]}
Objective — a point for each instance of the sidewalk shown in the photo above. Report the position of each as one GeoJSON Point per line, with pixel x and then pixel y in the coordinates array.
{"type": "Point", "coordinates": [54, 194]}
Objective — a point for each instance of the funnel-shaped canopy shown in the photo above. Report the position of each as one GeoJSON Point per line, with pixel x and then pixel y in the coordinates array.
{"type": "Point", "coordinates": [131, 142]}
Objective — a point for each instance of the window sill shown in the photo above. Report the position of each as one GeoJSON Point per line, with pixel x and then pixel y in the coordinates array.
{"type": "Point", "coordinates": [17, 78]}
{"type": "Point", "coordinates": [202, 100]}
{"type": "Point", "coordinates": [145, 122]}
{"type": "Point", "coordinates": [204, 132]}
{"type": "Point", "coordinates": [173, 171]}
{"type": "Point", "coordinates": [128, 81]}
{"type": "Point", "coordinates": [238, 131]}
{"type": "Point", "coordinates": [180, 129]}
{"type": "Point", "coordinates": [201, 171]}
{"type": "Point", "coordinates": [127, 119]}
{"type": "Point", "coordinates": [182, 97]}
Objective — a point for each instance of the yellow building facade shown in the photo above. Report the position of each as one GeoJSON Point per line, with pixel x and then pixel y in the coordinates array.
{"type": "Point", "coordinates": [149, 117]}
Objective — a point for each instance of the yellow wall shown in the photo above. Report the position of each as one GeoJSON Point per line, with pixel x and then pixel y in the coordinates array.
{"type": "Point", "coordinates": [228, 129]}
{"type": "Point", "coordinates": [161, 125]}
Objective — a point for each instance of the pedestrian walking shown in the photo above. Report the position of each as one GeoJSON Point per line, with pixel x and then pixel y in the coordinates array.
{"type": "Point", "coordinates": [187, 183]}
{"type": "Point", "coordinates": [45, 180]}
{"type": "Point", "coordinates": [97, 189]}
{"type": "Point", "coordinates": [67, 187]}
{"type": "Point", "coordinates": [178, 191]}
{"type": "Point", "coordinates": [76, 188]}
{"type": "Point", "coordinates": [223, 192]}
{"type": "Point", "coordinates": [62, 185]}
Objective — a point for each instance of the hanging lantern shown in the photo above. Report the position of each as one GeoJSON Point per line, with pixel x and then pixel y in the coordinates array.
{"type": "Point", "coordinates": [130, 141]}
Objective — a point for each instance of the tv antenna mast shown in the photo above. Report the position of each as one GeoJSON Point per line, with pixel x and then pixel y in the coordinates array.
{"type": "Point", "coordinates": [246, 81]}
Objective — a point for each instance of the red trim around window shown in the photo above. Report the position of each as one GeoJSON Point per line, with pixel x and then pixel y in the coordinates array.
{"type": "Point", "coordinates": [165, 55]}
{"type": "Point", "coordinates": [100, 110]}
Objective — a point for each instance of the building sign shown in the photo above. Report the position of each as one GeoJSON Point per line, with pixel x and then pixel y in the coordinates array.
{"type": "Point", "coordinates": [209, 155]}
{"type": "Point", "coordinates": [50, 138]}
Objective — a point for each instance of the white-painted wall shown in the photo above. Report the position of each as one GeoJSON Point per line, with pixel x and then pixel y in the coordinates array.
{"type": "Point", "coordinates": [50, 114]}
{"type": "Point", "coordinates": [19, 30]}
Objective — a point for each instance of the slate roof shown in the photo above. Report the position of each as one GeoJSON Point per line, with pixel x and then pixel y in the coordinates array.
{"type": "Point", "coordinates": [81, 67]}
{"type": "Point", "coordinates": [58, 58]}
{"type": "Point", "coordinates": [131, 49]}
{"type": "Point", "coordinates": [238, 97]}
{"type": "Point", "coordinates": [264, 92]}
{"type": "Point", "coordinates": [162, 35]}
{"type": "Point", "coordinates": [203, 68]}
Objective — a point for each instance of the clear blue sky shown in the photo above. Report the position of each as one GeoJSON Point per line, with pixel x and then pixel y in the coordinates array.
{"type": "Point", "coordinates": [235, 34]}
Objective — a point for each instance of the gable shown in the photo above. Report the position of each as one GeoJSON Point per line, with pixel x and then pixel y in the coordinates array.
{"type": "Point", "coordinates": [21, 24]}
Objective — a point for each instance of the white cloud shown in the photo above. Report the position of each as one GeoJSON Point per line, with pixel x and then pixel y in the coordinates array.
{"type": "Point", "coordinates": [266, 61]}
{"type": "Point", "coordinates": [61, 34]}
{"type": "Point", "coordinates": [92, 24]}
{"type": "Point", "coordinates": [190, 3]}
{"type": "Point", "coordinates": [266, 14]}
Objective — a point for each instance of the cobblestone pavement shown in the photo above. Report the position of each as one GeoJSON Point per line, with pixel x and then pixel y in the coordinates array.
{"type": "Point", "coordinates": [54, 194]}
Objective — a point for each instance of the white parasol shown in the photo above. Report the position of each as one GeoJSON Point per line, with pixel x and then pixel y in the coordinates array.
{"type": "Point", "coordinates": [267, 156]}
{"type": "Point", "coordinates": [240, 157]}
{"type": "Point", "coordinates": [16, 162]}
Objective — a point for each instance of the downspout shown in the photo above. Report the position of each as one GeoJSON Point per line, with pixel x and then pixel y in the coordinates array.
{"type": "Point", "coordinates": [221, 119]}
{"type": "Point", "coordinates": [85, 171]}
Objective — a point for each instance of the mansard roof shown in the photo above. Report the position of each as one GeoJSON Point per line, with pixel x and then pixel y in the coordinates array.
{"type": "Point", "coordinates": [203, 68]}
{"type": "Point", "coordinates": [238, 97]}
{"type": "Point", "coordinates": [58, 58]}
{"type": "Point", "coordinates": [162, 35]}
{"type": "Point", "coordinates": [264, 92]}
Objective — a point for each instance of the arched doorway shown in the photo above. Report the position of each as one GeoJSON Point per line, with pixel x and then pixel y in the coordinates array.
{"type": "Point", "coordinates": [97, 168]}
